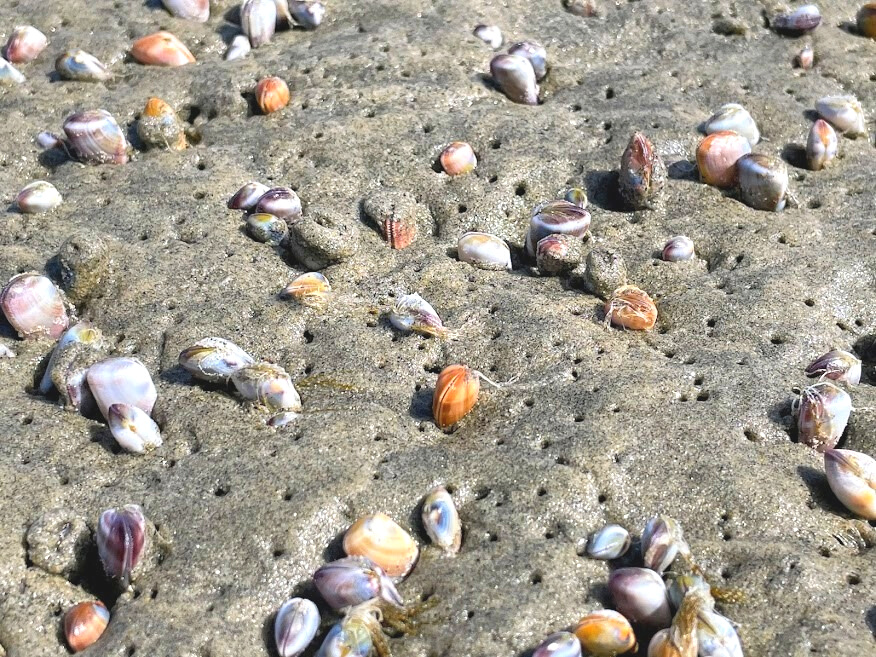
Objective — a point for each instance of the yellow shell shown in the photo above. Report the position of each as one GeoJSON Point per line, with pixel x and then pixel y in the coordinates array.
{"type": "Point", "coordinates": [605, 633]}
{"type": "Point", "coordinates": [380, 539]}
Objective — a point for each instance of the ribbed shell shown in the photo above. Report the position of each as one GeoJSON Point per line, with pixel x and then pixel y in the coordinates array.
{"type": "Point", "coordinates": [94, 137]}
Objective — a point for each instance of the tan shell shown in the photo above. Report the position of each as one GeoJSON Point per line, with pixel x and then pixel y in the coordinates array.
{"type": "Point", "coordinates": [380, 539]}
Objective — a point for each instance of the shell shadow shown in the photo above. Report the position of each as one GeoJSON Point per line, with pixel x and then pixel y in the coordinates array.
{"type": "Point", "coordinates": [683, 170]}
{"type": "Point", "coordinates": [865, 348]}
{"type": "Point", "coordinates": [233, 15]}
{"type": "Point", "coordinates": [816, 481]}
{"type": "Point", "coordinates": [811, 115]}
{"type": "Point", "coordinates": [176, 375]}
{"type": "Point", "coordinates": [101, 434]}
{"type": "Point", "coordinates": [52, 158]}
{"type": "Point", "coordinates": [421, 404]}
{"type": "Point", "coordinates": [795, 155]}
{"type": "Point", "coordinates": [227, 32]}
{"type": "Point", "coordinates": [781, 414]}
{"type": "Point", "coordinates": [602, 190]}
{"type": "Point", "coordinates": [870, 619]}
{"type": "Point", "coordinates": [335, 549]}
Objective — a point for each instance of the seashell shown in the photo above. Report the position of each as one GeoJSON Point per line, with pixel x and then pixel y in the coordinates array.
{"type": "Point", "coordinates": [763, 182]}
{"type": "Point", "coordinates": [267, 384]}
{"type": "Point", "coordinates": [821, 146]}
{"type": "Point", "coordinates": [458, 158]}
{"type": "Point", "coordinates": [662, 542]}
{"type": "Point", "coordinates": [247, 196]}
{"type": "Point", "coordinates": [25, 44]}
{"type": "Point", "coordinates": [311, 289]}
{"type": "Point", "coordinates": [515, 77]}
{"type": "Point", "coordinates": [680, 585]}
{"type": "Point", "coordinates": [380, 539]}
{"type": "Point", "coordinates": [412, 312]}
{"type": "Point", "coordinates": [456, 392]}
{"type": "Point", "coordinates": [576, 196]}
{"type": "Point", "coordinates": [803, 19]}
{"type": "Point", "coordinates": [852, 478]}
{"type": "Point", "coordinates": [82, 66]}
{"type": "Point", "coordinates": [94, 137]}
{"type": "Point", "coordinates": [678, 249]}
{"type": "Point", "coordinates": [836, 365]}
{"type": "Point", "coordinates": [642, 173]}
{"type": "Point", "coordinates": [121, 541]}
{"type": "Point", "coordinates": [133, 429]}
{"type": "Point", "coordinates": [308, 14]}
{"type": "Point", "coordinates": [733, 117]}
{"type": "Point", "coordinates": [441, 520]}
{"type": "Point", "coordinates": [161, 49]}
{"type": "Point", "coordinates": [395, 213]}
{"type": "Point", "coordinates": [630, 308]}
{"type": "Point", "coordinates": [296, 624]}
{"type": "Point", "coordinates": [561, 644]}
{"type": "Point", "coordinates": [866, 20]}
{"type": "Point", "coordinates": [34, 306]}
{"type": "Point", "coordinates": [160, 127]}
{"type": "Point", "coordinates": [84, 623]}
{"type": "Point", "coordinates": [716, 635]}
{"type": "Point", "coordinates": [662, 645]}
{"type": "Point", "coordinates": [484, 251]}
{"type": "Point", "coordinates": [640, 595]}
{"type": "Point", "coordinates": [349, 638]}
{"type": "Point", "coordinates": [283, 11]}
{"type": "Point", "coordinates": [238, 48]}
{"type": "Point", "coordinates": [281, 202]}
{"type": "Point", "coordinates": [489, 34]}
{"type": "Point", "coordinates": [844, 113]}
{"type": "Point", "coordinates": [351, 581]}
{"type": "Point", "coordinates": [556, 218]}
{"type": "Point", "coordinates": [272, 94]}
{"type": "Point", "coordinates": [399, 231]}
{"type": "Point", "coordinates": [558, 254]}
{"type": "Point", "coordinates": [535, 53]}
{"type": "Point", "coordinates": [121, 381]}
{"type": "Point", "coordinates": [214, 359]}
{"type": "Point", "coordinates": [717, 155]}
{"type": "Point", "coordinates": [38, 197]}
{"type": "Point", "coordinates": [9, 75]}
{"type": "Point", "coordinates": [190, 10]}
{"type": "Point", "coordinates": [805, 59]}
{"type": "Point", "coordinates": [267, 228]}
{"type": "Point", "coordinates": [823, 410]}
{"type": "Point", "coordinates": [74, 390]}
{"type": "Point", "coordinates": [605, 633]}
{"type": "Point", "coordinates": [83, 333]}
{"type": "Point", "coordinates": [258, 18]}
{"type": "Point", "coordinates": [610, 542]}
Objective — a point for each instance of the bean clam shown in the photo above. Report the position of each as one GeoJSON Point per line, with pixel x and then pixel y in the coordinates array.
{"type": "Point", "coordinates": [458, 158]}
{"type": "Point", "coordinates": [352, 581]}
{"type": "Point", "coordinates": [267, 384]}
{"type": "Point", "coordinates": [805, 59]}
{"type": "Point", "coordinates": [515, 77]}
{"type": "Point", "coordinates": [630, 307]}
{"type": "Point", "coordinates": [560, 644]}
{"type": "Point", "coordinates": [678, 249]}
{"type": "Point", "coordinates": [34, 306]}
{"type": "Point", "coordinates": [441, 520]}
{"type": "Point", "coordinates": [844, 113]}
{"type": "Point", "coordinates": [122, 541]}
{"type": "Point", "coordinates": [133, 429]}
{"type": "Point", "coordinates": [161, 49]}
{"type": "Point", "coordinates": [717, 155]}
{"type": "Point", "coordinates": [823, 411]}
{"type": "Point", "coordinates": [351, 637]}
{"type": "Point", "coordinates": [836, 365]}
{"type": "Point", "coordinates": [535, 53]}
{"type": "Point", "coordinates": [662, 542]}
{"type": "Point", "coordinates": [121, 381]}
{"type": "Point", "coordinates": [456, 392]}
{"type": "Point", "coordinates": [379, 538]}
{"type": "Point", "coordinates": [735, 118]}
{"type": "Point", "coordinates": [295, 626]}
{"type": "Point", "coordinates": [267, 228]}
{"type": "Point", "coordinates": [576, 195]}
{"type": "Point", "coordinates": [716, 635]}
{"type": "Point", "coordinates": [247, 196]}
{"type": "Point", "coordinates": [821, 146]}
{"type": "Point", "coordinates": [556, 218]}
{"type": "Point", "coordinates": [556, 254]}
{"type": "Point", "coordinates": [311, 289]}
{"type": "Point", "coordinates": [489, 34]}
{"type": "Point", "coordinates": [763, 182]}
{"type": "Point", "coordinates": [852, 478]}
{"type": "Point", "coordinates": [799, 21]}
{"type": "Point", "coordinates": [94, 137]}
{"type": "Point", "coordinates": [81, 66]}
{"type": "Point", "coordinates": [282, 202]}
{"type": "Point", "coordinates": [411, 312]}
{"type": "Point", "coordinates": [272, 94]}
{"type": "Point", "coordinates": [9, 75]}
{"type": "Point", "coordinates": [610, 542]}
{"type": "Point", "coordinates": [38, 197]}
{"type": "Point", "coordinates": [25, 44]}
{"type": "Point", "coordinates": [258, 18]}
{"type": "Point", "coordinates": [642, 173]}
{"type": "Point", "coordinates": [484, 251]}
{"type": "Point", "coordinates": [84, 623]}
{"type": "Point", "coordinates": [308, 14]}
{"type": "Point", "coordinates": [679, 586]}
{"type": "Point", "coordinates": [605, 633]}
{"type": "Point", "coordinates": [192, 10]}
{"type": "Point", "coordinates": [214, 359]}
{"type": "Point", "coordinates": [640, 595]}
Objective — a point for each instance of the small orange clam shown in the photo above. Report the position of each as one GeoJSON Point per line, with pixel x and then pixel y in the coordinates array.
{"type": "Point", "coordinates": [631, 308]}
{"type": "Point", "coordinates": [605, 633]}
{"type": "Point", "coordinates": [717, 155]}
{"type": "Point", "coordinates": [458, 158]}
{"type": "Point", "coordinates": [84, 623]}
{"type": "Point", "coordinates": [456, 393]}
{"type": "Point", "coordinates": [161, 49]}
{"type": "Point", "coordinates": [272, 94]}
{"type": "Point", "coordinates": [379, 538]}
{"type": "Point", "coordinates": [866, 20]}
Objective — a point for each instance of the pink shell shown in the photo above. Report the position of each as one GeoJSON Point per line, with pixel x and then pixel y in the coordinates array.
{"type": "Point", "coordinates": [34, 306]}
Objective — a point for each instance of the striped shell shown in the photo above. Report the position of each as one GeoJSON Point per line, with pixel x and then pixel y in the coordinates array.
{"type": "Point", "coordinates": [94, 137]}
{"type": "Point", "coordinates": [380, 539]}
{"type": "Point", "coordinates": [441, 520]}
{"type": "Point", "coordinates": [456, 393]}
{"type": "Point", "coordinates": [121, 541]}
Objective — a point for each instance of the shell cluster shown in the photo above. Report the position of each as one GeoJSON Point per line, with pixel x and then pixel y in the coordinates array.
{"type": "Point", "coordinates": [823, 408]}
{"type": "Point", "coordinates": [271, 211]}
{"type": "Point", "coordinates": [518, 72]}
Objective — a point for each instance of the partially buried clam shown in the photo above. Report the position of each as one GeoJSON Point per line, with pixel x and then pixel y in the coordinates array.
{"type": "Point", "coordinates": [214, 359]}
{"type": "Point", "coordinates": [642, 173]}
{"type": "Point", "coordinates": [272, 94]}
{"type": "Point", "coordinates": [535, 53]}
{"type": "Point", "coordinates": [380, 538]}
{"type": "Point", "coordinates": [411, 312]}
{"type": "Point", "coordinates": [133, 429]}
{"type": "Point", "coordinates": [836, 365]}
{"type": "Point", "coordinates": [823, 411]}
{"type": "Point", "coordinates": [34, 306]}
{"type": "Point", "coordinates": [735, 118]}
{"type": "Point", "coordinates": [267, 384]}
{"type": "Point", "coordinates": [25, 44]}
{"type": "Point", "coordinates": [763, 182]}
{"type": "Point", "coordinates": [84, 623]}
{"type": "Point", "coordinates": [92, 137]}
{"type": "Point", "coordinates": [441, 520]}
{"type": "Point", "coordinates": [161, 49]}
{"type": "Point", "coordinates": [844, 113]}
{"type": "Point", "coordinates": [610, 542]}
{"type": "Point", "coordinates": [82, 66]}
{"type": "Point", "coordinates": [640, 595]}
{"type": "Point", "coordinates": [484, 251]}
{"type": "Point", "coordinates": [515, 76]}
{"type": "Point", "coordinates": [852, 478]}
{"type": "Point", "coordinates": [605, 633]}
{"type": "Point", "coordinates": [311, 289]}
{"type": "Point", "coordinates": [192, 10]}
{"type": "Point", "coordinates": [267, 228]}
{"type": "Point", "coordinates": [797, 22]}
{"type": "Point", "coordinates": [821, 146]}
{"type": "Point", "coordinates": [631, 308]}
{"type": "Point", "coordinates": [456, 392]}
{"type": "Point", "coordinates": [678, 249]}
{"type": "Point", "coordinates": [458, 158]}
{"type": "Point", "coordinates": [296, 624]}
{"type": "Point", "coordinates": [561, 644]}
{"type": "Point", "coordinates": [121, 381]}
{"type": "Point", "coordinates": [159, 126]}
{"type": "Point", "coordinates": [352, 581]}
{"type": "Point", "coordinates": [122, 541]}
{"type": "Point", "coordinates": [717, 155]}
{"type": "Point", "coordinates": [556, 218]}
{"type": "Point", "coordinates": [258, 18]}
{"type": "Point", "coordinates": [38, 197]}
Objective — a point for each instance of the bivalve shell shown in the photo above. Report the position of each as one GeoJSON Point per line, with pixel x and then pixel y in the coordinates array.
{"type": "Point", "coordinates": [678, 249]}
{"type": "Point", "coordinates": [121, 381]}
{"type": "Point", "coordinates": [514, 75]}
{"type": "Point", "coordinates": [349, 638]}
{"type": "Point", "coordinates": [489, 34]}
{"type": "Point", "coordinates": [763, 182]}
{"type": "Point", "coordinates": [9, 75]}
{"type": "Point", "coordinates": [82, 66]}
{"type": "Point", "coordinates": [535, 53]}
{"type": "Point", "coordinates": [191, 10]}
{"type": "Point", "coordinates": [34, 306]}
{"type": "Point", "coordinates": [239, 48]}
{"type": "Point", "coordinates": [484, 251]}
{"type": "Point", "coordinates": [214, 359]}
{"type": "Point", "coordinates": [160, 127]}
{"type": "Point", "coordinates": [556, 255]}
{"type": "Point", "coordinates": [561, 644]}
{"type": "Point", "coordinates": [642, 173]}
{"type": "Point", "coordinates": [295, 626]}
{"type": "Point", "coordinates": [662, 542]}
{"type": "Point", "coordinates": [122, 541]}
{"type": "Point", "coordinates": [161, 49]}
{"type": "Point", "coordinates": [25, 44]}
{"type": "Point", "coordinates": [267, 228]}
{"type": "Point", "coordinates": [310, 289]}
{"type": "Point", "coordinates": [821, 146]}
{"type": "Point", "coordinates": [272, 94]}
{"type": "Point", "coordinates": [307, 13]}
{"type": "Point", "coordinates": [631, 308]}
{"type": "Point", "coordinates": [456, 392]}
{"type": "Point", "coordinates": [133, 429]}
{"type": "Point", "coordinates": [717, 155]}
{"type": "Point", "coordinates": [716, 635]}
{"type": "Point", "coordinates": [84, 623]}
{"type": "Point", "coordinates": [267, 384]}
{"type": "Point", "coordinates": [735, 118]}
{"type": "Point", "coordinates": [258, 18]}
{"type": "Point", "coordinates": [94, 137]}
{"type": "Point", "coordinates": [640, 595]}
{"type": "Point", "coordinates": [441, 520]}
{"type": "Point", "coordinates": [852, 478]}
{"type": "Point", "coordinates": [458, 158]}
{"type": "Point", "coordinates": [281, 202]}
{"type": "Point", "coordinates": [556, 218]}
{"type": "Point", "coordinates": [797, 22]}
{"type": "Point", "coordinates": [610, 542]}
{"type": "Point", "coordinates": [351, 581]}
{"type": "Point", "coordinates": [247, 196]}
{"type": "Point", "coordinates": [411, 312]}
{"type": "Point", "coordinates": [823, 411]}
{"type": "Point", "coordinates": [605, 633]}
{"type": "Point", "coordinates": [866, 20]}
{"type": "Point", "coordinates": [836, 365]}
{"type": "Point", "coordinates": [38, 197]}
{"type": "Point", "coordinates": [380, 539]}
{"type": "Point", "coordinates": [844, 113]}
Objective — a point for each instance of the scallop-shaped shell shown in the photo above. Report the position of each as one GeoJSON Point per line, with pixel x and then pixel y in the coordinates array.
{"type": "Point", "coordinates": [282, 202]}
{"type": "Point", "coordinates": [9, 75]}
{"type": "Point", "coordinates": [844, 113]}
{"type": "Point", "coordinates": [716, 635]}
{"type": "Point", "coordinates": [272, 94]}
{"type": "Point", "coordinates": [610, 542]}
{"type": "Point", "coordinates": [852, 478]}
{"type": "Point", "coordinates": [191, 10]}
{"type": "Point", "coordinates": [34, 306]}
{"type": "Point", "coordinates": [411, 312]}
{"type": "Point", "coordinates": [258, 18]}
{"type": "Point", "coordinates": [735, 118]}
{"type": "Point", "coordinates": [458, 158]}
{"type": "Point", "coordinates": [84, 623]}
{"type": "Point", "coordinates": [25, 44]}
{"type": "Point", "coordinates": [121, 541]}
{"type": "Point", "coordinates": [514, 75]}
{"type": "Point", "coordinates": [678, 249]}
{"type": "Point", "coordinates": [803, 19]}
{"type": "Point", "coordinates": [121, 381]}
{"type": "Point", "coordinates": [763, 182]}
{"type": "Point", "coordinates": [823, 411]}
{"type": "Point", "coordinates": [82, 66]}
{"type": "Point", "coordinates": [267, 228]}
{"type": "Point", "coordinates": [561, 644]}
{"type": "Point", "coordinates": [267, 384]}
{"type": "Point", "coordinates": [484, 251]}
{"type": "Point", "coordinates": [38, 197]}
{"type": "Point", "coordinates": [247, 196]}
{"type": "Point", "coordinates": [311, 289]}
{"type": "Point", "coordinates": [866, 20]}
{"type": "Point", "coordinates": [535, 53]}
{"type": "Point", "coordinates": [640, 595]}
{"type": "Point", "coordinates": [456, 393]}
{"type": "Point", "coordinates": [642, 173]}
{"type": "Point", "coordinates": [556, 218]}
{"type": "Point", "coordinates": [379, 538]}
{"type": "Point", "coordinates": [489, 34]}
{"type": "Point", "coordinates": [133, 429]}
{"type": "Point", "coordinates": [94, 137]}
{"type": "Point", "coordinates": [717, 155]}
{"type": "Point", "coordinates": [631, 308]}
{"type": "Point", "coordinates": [349, 638]}
{"type": "Point", "coordinates": [307, 14]}
{"type": "Point", "coordinates": [351, 581]}
{"type": "Point", "coordinates": [836, 365]}
{"type": "Point", "coordinates": [296, 624]}
{"type": "Point", "coordinates": [662, 541]}
{"type": "Point", "coordinates": [239, 48]}
{"type": "Point", "coordinates": [441, 520]}
{"type": "Point", "coordinates": [822, 145]}
{"type": "Point", "coordinates": [159, 126]}
{"type": "Point", "coordinates": [214, 359]}
{"type": "Point", "coordinates": [605, 633]}
{"type": "Point", "coordinates": [161, 49]}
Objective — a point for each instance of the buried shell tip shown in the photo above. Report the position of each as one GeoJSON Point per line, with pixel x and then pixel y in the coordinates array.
{"type": "Point", "coordinates": [411, 312]}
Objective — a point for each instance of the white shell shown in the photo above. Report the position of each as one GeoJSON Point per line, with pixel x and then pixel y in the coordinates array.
{"type": "Point", "coordinates": [268, 384]}
{"type": "Point", "coordinates": [844, 113]}
{"type": "Point", "coordinates": [678, 249]}
{"type": "Point", "coordinates": [9, 75]}
{"type": "Point", "coordinates": [489, 34]}
{"type": "Point", "coordinates": [735, 117]}
{"type": "Point", "coordinates": [38, 197]}
{"type": "Point", "coordinates": [852, 478]}
{"type": "Point", "coordinates": [412, 312]}
{"type": "Point", "coordinates": [214, 359]}
{"type": "Point", "coordinates": [484, 251]}
{"type": "Point", "coordinates": [258, 18]}
{"type": "Point", "coordinates": [133, 429]}
{"type": "Point", "coordinates": [192, 10]}
{"type": "Point", "coordinates": [238, 49]}
{"type": "Point", "coordinates": [121, 381]}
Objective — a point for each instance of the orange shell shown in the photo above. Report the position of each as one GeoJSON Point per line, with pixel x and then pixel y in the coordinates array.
{"type": "Point", "coordinates": [866, 20]}
{"type": "Point", "coordinates": [458, 158]}
{"type": "Point", "coordinates": [631, 308]}
{"type": "Point", "coordinates": [456, 393]}
{"type": "Point", "coordinates": [157, 107]}
{"type": "Point", "coordinates": [161, 49]}
{"type": "Point", "coordinates": [272, 94]}
{"type": "Point", "coordinates": [380, 539]}
{"type": "Point", "coordinates": [605, 632]}
{"type": "Point", "coordinates": [717, 155]}
{"type": "Point", "coordinates": [84, 623]}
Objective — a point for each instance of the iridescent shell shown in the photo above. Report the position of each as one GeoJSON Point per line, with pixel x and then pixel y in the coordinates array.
{"type": "Point", "coordinates": [717, 636]}
{"type": "Point", "coordinates": [161, 49]}
{"type": "Point", "coordinates": [311, 289]}
{"type": "Point", "coordinates": [34, 306]}
{"type": "Point", "coordinates": [836, 365]}
{"type": "Point", "coordinates": [411, 312]}
{"type": "Point", "coordinates": [852, 478]}
{"type": "Point", "coordinates": [267, 384]}
{"type": "Point", "coordinates": [351, 581]}
{"type": "Point", "coordinates": [642, 173]}
{"type": "Point", "coordinates": [610, 542]}
{"type": "Point", "coordinates": [458, 158]}
{"type": "Point", "coordinates": [272, 94]}
{"type": "Point", "coordinates": [214, 359]}
{"type": "Point", "coordinates": [441, 520]}
{"type": "Point", "coordinates": [556, 218]}
{"type": "Point", "coordinates": [561, 644]}
{"type": "Point", "coordinates": [349, 638]}
{"type": "Point", "coordinates": [295, 626]}
{"type": "Point", "coordinates": [121, 541]}
{"type": "Point", "coordinates": [866, 20]}
{"type": "Point", "coordinates": [456, 392]}
{"type": "Point", "coordinates": [238, 48]}
{"type": "Point", "coordinates": [733, 117]}
{"type": "Point", "coordinates": [9, 75]}
{"type": "Point", "coordinates": [159, 126]}
{"type": "Point", "coordinates": [605, 633]}
{"type": "Point", "coordinates": [82, 66]}
{"type": "Point", "coordinates": [258, 18]}
{"type": "Point", "coordinates": [535, 53]}
{"type": "Point", "coordinates": [514, 75]}
{"type": "Point", "coordinates": [192, 10]}
{"type": "Point", "coordinates": [281, 202]}
{"type": "Point", "coordinates": [821, 146]}
{"type": "Point", "coordinates": [640, 595]}
{"type": "Point", "coordinates": [38, 197]}
{"type": "Point", "coordinates": [763, 182]}
{"type": "Point", "coordinates": [489, 34]}
{"type": "Point", "coordinates": [307, 13]}
{"type": "Point", "coordinates": [267, 228]}
{"type": "Point", "coordinates": [380, 539]}
{"type": "Point", "coordinates": [133, 429]}
{"type": "Point", "coordinates": [662, 542]}
{"type": "Point", "coordinates": [631, 308]}
{"type": "Point", "coordinates": [844, 113]}
{"type": "Point", "coordinates": [84, 623]}
{"type": "Point", "coordinates": [247, 196]}
{"type": "Point", "coordinates": [484, 251]}
{"type": "Point", "coordinates": [678, 249]}
{"type": "Point", "coordinates": [121, 381]}
{"type": "Point", "coordinates": [801, 20]}
{"type": "Point", "coordinates": [823, 411]}
{"type": "Point", "coordinates": [717, 155]}
{"type": "Point", "coordinates": [25, 44]}
{"type": "Point", "coordinates": [94, 137]}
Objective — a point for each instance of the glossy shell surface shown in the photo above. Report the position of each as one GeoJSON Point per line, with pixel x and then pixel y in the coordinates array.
{"type": "Point", "coordinates": [610, 542]}
{"type": "Point", "coordinates": [822, 145]}
{"type": "Point", "coordinates": [717, 155]}
{"type": "Point", "coordinates": [267, 384]}
{"type": "Point", "coordinates": [161, 49]}
{"type": "Point", "coordinates": [38, 197]}
{"type": "Point", "coordinates": [272, 94]}
{"type": "Point", "coordinates": [295, 626]}
{"type": "Point", "coordinates": [561, 644]}
{"type": "Point", "coordinates": [458, 158]}
{"type": "Point", "coordinates": [735, 118]}
{"type": "Point", "coordinates": [351, 581]}
{"type": "Point", "coordinates": [640, 595]}
{"type": "Point", "coordinates": [311, 289]}
{"type": "Point", "coordinates": [441, 520]}
{"type": "Point", "coordinates": [484, 251]}
{"type": "Point", "coordinates": [191, 10]}
{"type": "Point", "coordinates": [25, 44]}
{"type": "Point", "coordinates": [121, 541]}
{"type": "Point", "coordinates": [34, 306]}
{"type": "Point", "coordinates": [836, 365]}
{"type": "Point", "coordinates": [84, 623]}
{"type": "Point", "coordinates": [456, 392]}
{"type": "Point", "coordinates": [133, 429]}
{"type": "Point", "coordinates": [94, 137]}
{"type": "Point", "coordinates": [823, 411]}
{"type": "Point", "coordinates": [379, 538]}
{"type": "Point", "coordinates": [556, 218]}
{"type": "Point", "coordinates": [605, 633]}
{"type": "Point", "coordinates": [247, 196]}
{"type": "Point", "coordinates": [631, 308]}
{"type": "Point", "coordinates": [852, 478]}
{"type": "Point", "coordinates": [214, 359]}
{"type": "Point", "coordinates": [122, 381]}
{"type": "Point", "coordinates": [763, 182]}
{"type": "Point", "coordinates": [678, 249]}
{"type": "Point", "coordinates": [514, 75]}
{"type": "Point", "coordinates": [82, 66]}
{"type": "Point", "coordinates": [844, 113]}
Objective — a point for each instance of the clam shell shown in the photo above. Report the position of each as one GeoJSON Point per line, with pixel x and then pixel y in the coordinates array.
{"type": "Point", "coordinates": [161, 49]}
{"type": "Point", "coordinates": [349, 638]}
{"type": "Point", "coordinates": [94, 137]}
{"type": "Point", "coordinates": [556, 218]}
{"type": "Point", "coordinates": [247, 196]}
{"type": "Point", "coordinates": [662, 542]}
{"type": "Point", "coordinates": [191, 10]}
{"type": "Point", "coordinates": [411, 312]}
{"type": "Point", "coordinates": [34, 306]}
{"type": "Point", "coordinates": [380, 539]}
{"type": "Point", "coordinates": [214, 359]}
{"type": "Point", "coordinates": [821, 146]}
{"type": "Point", "coordinates": [640, 595]}
{"type": "Point", "coordinates": [763, 182]}
{"type": "Point", "coordinates": [25, 44]}
{"type": "Point", "coordinates": [484, 251]}
{"type": "Point", "coordinates": [307, 14]}
{"type": "Point", "coordinates": [441, 520]}
{"type": "Point", "coordinates": [535, 53]}
{"type": "Point", "coordinates": [38, 197]}
{"type": "Point", "coordinates": [604, 633]}
{"type": "Point", "coordinates": [865, 20]}
{"type": "Point", "coordinates": [238, 48]}
{"type": "Point", "coordinates": [272, 94]}
{"type": "Point", "coordinates": [310, 289]}
{"type": "Point", "coordinates": [733, 117]}
{"type": "Point", "coordinates": [577, 196]}
{"type": "Point", "coordinates": [83, 333]}
{"type": "Point", "coordinates": [295, 626]}
{"type": "Point", "coordinates": [823, 412]}
{"type": "Point", "coordinates": [267, 384]}
{"type": "Point", "coordinates": [133, 429]}
{"type": "Point", "coordinates": [610, 542]}
{"type": "Point", "coordinates": [844, 113]}
{"type": "Point", "coordinates": [456, 392]}
{"type": "Point", "coordinates": [160, 127]}
{"type": "Point", "coordinates": [258, 18]}
{"type": "Point", "coordinates": [458, 158]}
{"type": "Point", "coordinates": [561, 644]}
{"type": "Point", "coordinates": [84, 623]}
{"type": "Point", "coordinates": [121, 541]}
{"type": "Point", "coordinates": [82, 66]}
{"type": "Point", "coordinates": [282, 202]}
{"type": "Point", "coordinates": [558, 254]}
{"type": "Point", "coordinates": [514, 75]}
{"type": "Point", "coordinates": [121, 381]}
{"type": "Point", "coordinates": [680, 585]}
{"type": "Point", "coordinates": [836, 365]}
{"type": "Point", "coordinates": [489, 34]}
{"type": "Point", "coordinates": [678, 249]}
{"type": "Point", "coordinates": [267, 228]}
{"type": "Point", "coordinates": [351, 581]}
{"type": "Point", "coordinates": [717, 155]}
{"type": "Point", "coordinates": [9, 75]}
{"type": "Point", "coordinates": [852, 478]}
{"type": "Point", "coordinates": [631, 308]}
{"type": "Point", "coordinates": [801, 20]}
{"type": "Point", "coordinates": [716, 635]}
